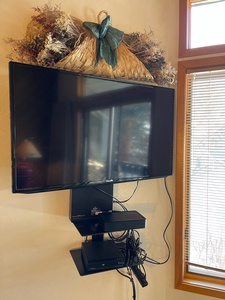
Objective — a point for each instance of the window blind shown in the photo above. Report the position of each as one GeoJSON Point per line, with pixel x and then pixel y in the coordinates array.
{"type": "Point", "coordinates": [205, 173]}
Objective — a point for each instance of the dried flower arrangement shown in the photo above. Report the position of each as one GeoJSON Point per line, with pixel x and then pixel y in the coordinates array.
{"type": "Point", "coordinates": [147, 49]}
{"type": "Point", "coordinates": [50, 36]}
{"type": "Point", "coordinates": [56, 39]}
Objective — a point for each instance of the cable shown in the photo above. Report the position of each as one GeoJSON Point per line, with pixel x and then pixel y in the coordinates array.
{"type": "Point", "coordinates": [133, 286]}
{"type": "Point", "coordinates": [119, 238]}
{"type": "Point", "coordinates": [116, 200]}
{"type": "Point", "coordinates": [151, 260]}
{"type": "Point", "coordinates": [134, 253]}
{"type": "Point", "coordinates": [134, 191]}
{"type": "Point", "coordinates": [120, 204]}
{"type": "Point", "coordinates": [130, 277]}
{"type": "Point", "coordinates": [125, 233]}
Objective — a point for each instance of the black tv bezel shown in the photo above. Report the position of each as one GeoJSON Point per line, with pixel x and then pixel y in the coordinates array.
{"type": "Point", "coordinates": [163, 108]}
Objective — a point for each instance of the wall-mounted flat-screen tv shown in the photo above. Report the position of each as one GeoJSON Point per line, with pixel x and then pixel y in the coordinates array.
{"type": "Point", "coordinates": [70, 130]}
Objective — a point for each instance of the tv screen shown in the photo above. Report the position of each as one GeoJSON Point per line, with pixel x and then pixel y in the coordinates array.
{"type": "Point", "coordinates": [71, 130]}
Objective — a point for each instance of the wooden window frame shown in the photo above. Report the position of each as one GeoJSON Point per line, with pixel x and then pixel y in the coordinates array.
{"type": "Point", "coordinates": [184, 34]}
{"type": "Point", "coordinates": [185, 281]}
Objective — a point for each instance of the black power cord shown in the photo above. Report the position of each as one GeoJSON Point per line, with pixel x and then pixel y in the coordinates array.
{"type": "Point", "coordinates": [151, 260]}
{"type": "Point", "coordinates": [130, 277]}
{"type": "Point", "coordinates": [134, 250]}
{"type": "Point", "coordinates": [116, 200]}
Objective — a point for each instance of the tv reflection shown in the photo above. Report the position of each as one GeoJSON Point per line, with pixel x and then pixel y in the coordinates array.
{"type": "Point", "coordinates": [28, 157]}
{"type": "Point", "coordinates": [86, 143]}
{"type": "Point", "coordinates": [118, 142]}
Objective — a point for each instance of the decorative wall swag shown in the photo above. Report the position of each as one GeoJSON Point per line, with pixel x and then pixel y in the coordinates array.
{"type": "Point", "coordinates": [107, 40]}
{"type": "Point", "coordinates": [55, 39]}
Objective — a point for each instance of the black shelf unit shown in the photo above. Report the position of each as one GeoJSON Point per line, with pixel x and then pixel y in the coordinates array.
{"type": "Point", "coordinates": [78, 260]}
{"type": "Point", "coordinates": [87, 205]}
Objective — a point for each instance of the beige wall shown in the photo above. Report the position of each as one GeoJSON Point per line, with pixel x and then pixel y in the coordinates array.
{"type": "Point", "coordinates": [35, 232]}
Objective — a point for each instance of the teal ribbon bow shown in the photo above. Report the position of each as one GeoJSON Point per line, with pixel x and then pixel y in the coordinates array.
{"type": "Point", "coordinates": [107, 40]}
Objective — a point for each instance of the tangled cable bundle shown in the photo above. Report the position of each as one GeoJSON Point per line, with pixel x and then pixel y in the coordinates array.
{"type": "Point", "coordinates": [55, 39]}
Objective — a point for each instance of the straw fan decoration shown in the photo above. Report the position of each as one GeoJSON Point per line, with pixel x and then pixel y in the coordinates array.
{"type": "Point", "coordinates": [56, 39]}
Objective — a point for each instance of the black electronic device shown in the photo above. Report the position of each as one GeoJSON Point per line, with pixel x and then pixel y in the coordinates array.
{"type": "Point", "coordinates": [102, 255]}
{"type": "Point", "coordinates": [121, 220]}
{"type": "Point", "coordinates": [69, 130]}
{"type": "Point", "coordinates": [140, 276]}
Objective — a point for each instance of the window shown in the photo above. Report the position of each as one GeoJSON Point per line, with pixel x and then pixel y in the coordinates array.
{"type": "Point", "coordinates": [205, 190]}
{"type": "Point", "coordinates": [200, 177]}
{"type": "Point", "coordinates": [207, 23]}
{"type": "Point", "coordinates": [200, 164]}
{"type": "Point", "coordinates": [202, 26]}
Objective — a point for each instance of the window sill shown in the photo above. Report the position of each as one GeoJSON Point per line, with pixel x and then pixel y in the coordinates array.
{"type": "Point", "coordinates": [202, 287]}
{"type": "Point", "coordinates": [210, 50]}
